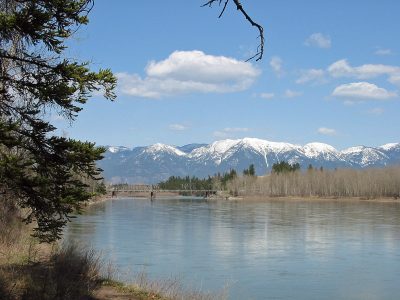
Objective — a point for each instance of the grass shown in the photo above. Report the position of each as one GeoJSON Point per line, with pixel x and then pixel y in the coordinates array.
{"type": "Point", "coordinates": [68, 273]}
{"type": "Point", "coordinates": [144, 288]}
{"type": "Point", "coordinates": [29, 270]}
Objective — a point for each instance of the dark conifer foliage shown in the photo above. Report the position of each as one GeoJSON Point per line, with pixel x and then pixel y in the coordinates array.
{"type": "Point", "coordinates": [43, 172]}
{"type": "Point", "coordinates": [284, 167]}
{"type": "Point", "coordinates": [251, 171]}
{"type": "Point", "coordinates": [186, 183]}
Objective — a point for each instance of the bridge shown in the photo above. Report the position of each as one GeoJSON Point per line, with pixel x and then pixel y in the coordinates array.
{"type": "Point", "coordinates": [152, 190]}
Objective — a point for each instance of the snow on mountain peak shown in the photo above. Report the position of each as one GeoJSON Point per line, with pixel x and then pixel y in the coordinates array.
{"type": "Point", "coordinates": [223, 145]}
{"type": "Point", "coordinates": [320, 147]}
{"type": "Point", "coordinates": [263, 146]}
{"type": "Point", "coordinates": [389, 146]}
{"type": "Point", "coordinates": [116, 149]}
{"type": "Point", "coordinates": [364, 156]}
{"type": "Point", "coordinates": [216, 151]}
{"type": "Point", "coordinates": [317, 149]}
{"type": "Point", "coordinates": [159, 161]}
{"type": "Point", "coordinates": [353, 150]}
{"type": "Point", "coordinates": [156, 148]}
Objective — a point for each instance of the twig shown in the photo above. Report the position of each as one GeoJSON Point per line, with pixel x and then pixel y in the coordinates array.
{"type": "Point", "coordinates": [260, 48]}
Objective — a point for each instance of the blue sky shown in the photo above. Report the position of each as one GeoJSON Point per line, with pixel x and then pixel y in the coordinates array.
{"type": "Point", "coordinates": [330, 72]}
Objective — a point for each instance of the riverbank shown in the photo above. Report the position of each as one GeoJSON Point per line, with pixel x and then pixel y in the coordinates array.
{"type": "Point", "coordinates": [29, 270]}
{"type": "Point", "coordinates": [256, 198]}
{"type": "Point", "coordinates": [32, 270]}
{"type": "Point", "coordinates": [252, 198]}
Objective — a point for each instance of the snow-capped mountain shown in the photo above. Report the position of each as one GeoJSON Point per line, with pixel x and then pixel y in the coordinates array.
{"type": "Point", "coordinates": [157, 162]}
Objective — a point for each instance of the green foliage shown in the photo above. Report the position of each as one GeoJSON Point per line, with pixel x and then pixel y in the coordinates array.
{"type": "Point", "coordinates": [285, 167]}
{"type": "Point", "coordinates": [251, 171]}
{"type": "Point", "coordinates": [101, 189]}
{"type": "Point", "coordinates": [43, 172]}
{"type": "Point", "coordinates": [194, 183]}
{"type": "Point", "coordinates": [186, 183]}
{"type": "Point", "coordinates": [225, 177]}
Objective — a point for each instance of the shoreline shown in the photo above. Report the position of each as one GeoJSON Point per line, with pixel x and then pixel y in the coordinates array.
{"type": "Point", "coordinates": [320, 199]}
{"type": "Point", "coordinates": [252, 198]}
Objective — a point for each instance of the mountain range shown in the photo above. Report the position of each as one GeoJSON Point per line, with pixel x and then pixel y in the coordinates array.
{"type": "Point", "coordinates": [157, 162]}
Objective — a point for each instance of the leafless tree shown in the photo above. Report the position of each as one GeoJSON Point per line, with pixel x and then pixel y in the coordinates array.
{"type": "Point", "coordinates": [342, 183]}
{"type": "Point", "coordinates": [239, 7]}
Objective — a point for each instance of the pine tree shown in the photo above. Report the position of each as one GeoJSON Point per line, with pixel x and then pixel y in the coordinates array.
{"type": "Point", "coordinates": [41, 171]}
{"type": "Point", "coordinates": [252, 170]}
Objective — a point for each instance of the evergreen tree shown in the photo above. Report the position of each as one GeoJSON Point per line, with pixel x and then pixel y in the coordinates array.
{"type": "Point", "coordinates": [285, 167]}
{"type": "Point", "coordinates": [41, 171]}
{"type": "Point", "coordinates": [252, 170]}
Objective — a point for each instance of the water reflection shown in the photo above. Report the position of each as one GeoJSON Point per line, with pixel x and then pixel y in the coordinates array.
{"type": "Point", "coordinates": [272, 249]}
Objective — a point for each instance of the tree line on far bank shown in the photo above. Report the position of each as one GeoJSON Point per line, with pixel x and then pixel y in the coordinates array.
{"type": "Point", "coordinates": [287, 180]}
{"type": "Point", "coordinates": [341, 183]}
{"type": "Point", "coordinates": [218, 181]}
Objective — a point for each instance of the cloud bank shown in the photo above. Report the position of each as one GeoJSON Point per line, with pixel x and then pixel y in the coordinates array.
{"type": "Point", "coordinates": [362, 91]}
{"type": "Point", "coordinates": [185, 72]}
{"type": "Point", "coordinates": [342, 68]}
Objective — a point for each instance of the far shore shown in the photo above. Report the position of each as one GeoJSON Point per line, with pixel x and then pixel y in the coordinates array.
{"type": "Point", "coordinates": [314, 198]}
{"type": "Point", "coordinates": [250, 198]}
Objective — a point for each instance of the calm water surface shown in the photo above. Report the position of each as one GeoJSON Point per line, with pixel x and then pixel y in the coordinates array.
{"type": "Point", "coordinates": [261, 250]}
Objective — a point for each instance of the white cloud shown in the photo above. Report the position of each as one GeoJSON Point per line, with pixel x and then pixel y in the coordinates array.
{"type": "Point", "coordinates": [316, 75]}
{"type": "Point", "coordinates": [395, 79]}
{"type": "Point", "coordinates": [267, 95]}
{"type": "Point", "coordinates": [342, 68]}
{"type": "Point", "coordinates": [230, 132]}
{"type": "Point", "coordinates": [377, 111]}
{"type": "Point", "coordinates": [362, 91]}
{"type": "Point", "coordinates": [318, 40]}
{"type": "Point", "coordinates": [276, 64]}
{"type": "Point", "coordinates": [189, 72]}
{"type": "Point", "coordinates": [177, 127]}
{"type": "Point", "coordinates": [383, 52]}
{"type": "Point", "coordinates": [327, 131]}
{"type": "Point", "coordinates": [292, 94]}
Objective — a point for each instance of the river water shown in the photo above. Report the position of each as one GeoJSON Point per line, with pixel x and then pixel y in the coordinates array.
{"type": "Point", "coordinates": [279, 249]}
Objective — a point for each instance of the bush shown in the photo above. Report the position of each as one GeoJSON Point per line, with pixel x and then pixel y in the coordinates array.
{"type": "Point", "coordinates": [71, 273]}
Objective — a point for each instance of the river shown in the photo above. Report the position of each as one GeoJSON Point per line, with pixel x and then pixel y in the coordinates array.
{"type": "Point", "coordinates": [273, 249]}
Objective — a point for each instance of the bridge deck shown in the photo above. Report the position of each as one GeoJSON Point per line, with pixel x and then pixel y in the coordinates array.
{"type": "Point", "coordinates": [160, 191]}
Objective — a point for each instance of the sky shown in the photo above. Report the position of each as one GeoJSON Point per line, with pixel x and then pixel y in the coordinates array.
{"type": "Point", "coordinates": [330, 72]}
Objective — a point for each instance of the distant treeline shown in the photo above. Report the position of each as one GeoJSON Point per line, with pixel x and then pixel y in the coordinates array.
{"type": "Point", "coordinates": [186, 183]}
{"type": "Point", "coordinates": [288, 180]}
{"type": "Point", "coordinates": [217, 181]}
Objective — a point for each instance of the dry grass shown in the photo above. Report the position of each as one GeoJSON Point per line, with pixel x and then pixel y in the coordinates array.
{"type": "Point", "coordinates": [172, 288]}
{"type": "Point", "coordinates": [69, 273]}
{"type": "Point", "coordinates": [29, 270]}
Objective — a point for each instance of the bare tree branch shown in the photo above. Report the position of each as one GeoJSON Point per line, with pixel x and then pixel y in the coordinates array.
{"type": "Point", "coordinates": [260, 48]}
